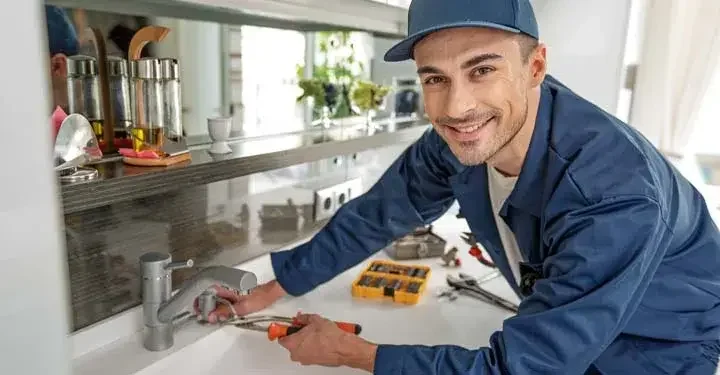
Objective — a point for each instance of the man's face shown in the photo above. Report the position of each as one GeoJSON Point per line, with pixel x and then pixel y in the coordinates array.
{"type": "Point", "coordinates": [58, 80]}
{"type": "Point", "coordinates": [475, 86]}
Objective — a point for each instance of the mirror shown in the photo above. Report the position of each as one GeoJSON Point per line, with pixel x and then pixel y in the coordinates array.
{"type": "Point", "coordinates": [253, 74]}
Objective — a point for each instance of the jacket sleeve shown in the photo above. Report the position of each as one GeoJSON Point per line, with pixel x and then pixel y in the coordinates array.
{"type": "Point", "coordinates": [414, 191]}
{"type": "Point", "coordinates": [602, 259]}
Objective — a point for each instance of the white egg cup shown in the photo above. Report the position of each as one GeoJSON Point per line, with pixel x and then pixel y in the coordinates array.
{"type": "Point", "coordinates": [219, 130]}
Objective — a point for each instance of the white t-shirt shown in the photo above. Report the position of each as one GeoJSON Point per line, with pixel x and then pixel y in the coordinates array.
{"type": "Point", "coordinates": [500, 188]}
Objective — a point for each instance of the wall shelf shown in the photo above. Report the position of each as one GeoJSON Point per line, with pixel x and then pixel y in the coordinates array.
{"type": "Point", "coordinates": [119, 182]}
{"type": "Point", "coordinates": [304, 15]}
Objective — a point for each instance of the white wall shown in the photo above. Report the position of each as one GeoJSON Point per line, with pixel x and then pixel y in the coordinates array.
{"type": "Point", "coordinates": [34, 319]}
{"type": "Point", "coordinates": [383, 72]}
{"type": "Point", "coordinates": [586, 43]}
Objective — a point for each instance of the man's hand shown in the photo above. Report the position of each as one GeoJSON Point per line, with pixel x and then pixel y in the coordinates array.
{"type": "Point", "coordinates": [321, 342]}
{"type": "Point", "coordinates": [260, 298]}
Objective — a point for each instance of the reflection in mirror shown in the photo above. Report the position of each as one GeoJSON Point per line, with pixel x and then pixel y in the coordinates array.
{"type": "Point", "coordinates": [270, 81]}
{"type": "Point", "coordinates": [75, 144]}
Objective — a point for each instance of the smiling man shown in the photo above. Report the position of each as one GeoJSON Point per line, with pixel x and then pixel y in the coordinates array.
{"type": "Point", "coordinates": [613, 252]}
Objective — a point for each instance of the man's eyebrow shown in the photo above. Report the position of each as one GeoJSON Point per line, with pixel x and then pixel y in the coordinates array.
{"type": "Point", "coordinates": [480, 59]}
{"type": "Point", "coordinates": [427, 69]}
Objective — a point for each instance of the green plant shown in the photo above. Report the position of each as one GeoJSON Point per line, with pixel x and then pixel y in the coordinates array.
{"type": "Point", "coordinates": [312, 88]}
{"type": "Point", "coordinates": [369, 95]}
{"type": "Point", "coordinates": [338, 65]}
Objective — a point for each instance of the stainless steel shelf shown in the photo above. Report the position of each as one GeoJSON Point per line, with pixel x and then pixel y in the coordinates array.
{"type": "Point", "coordinates": [305, 15]}
{"type": "Point", "coordinates": [120, 182]}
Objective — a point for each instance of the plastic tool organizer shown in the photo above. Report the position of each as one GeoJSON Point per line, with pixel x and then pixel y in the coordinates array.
{"type": "Point", "coordinates": [401, 283]}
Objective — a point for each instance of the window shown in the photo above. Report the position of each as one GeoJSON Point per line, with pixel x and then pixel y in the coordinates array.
{"type": "Point", "coordinates": [265, 65]}
{"type": "Point", "coordinates": [263, 68]}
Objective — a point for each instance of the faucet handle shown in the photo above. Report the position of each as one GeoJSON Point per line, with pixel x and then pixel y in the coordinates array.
{"type": "Point", "coordinates": [179, 265]}
{"type": "Point", "coordinates": [156, 265]}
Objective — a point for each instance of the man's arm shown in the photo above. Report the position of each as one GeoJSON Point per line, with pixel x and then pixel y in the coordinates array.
{"type": "Point", "coordinates": [412, 192]}
{"type": "Point", "coordinates": [603, 258]}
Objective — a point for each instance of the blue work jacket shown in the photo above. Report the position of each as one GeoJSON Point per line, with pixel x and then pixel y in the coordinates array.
{"type": "Point", "coordinates": [621, 267]}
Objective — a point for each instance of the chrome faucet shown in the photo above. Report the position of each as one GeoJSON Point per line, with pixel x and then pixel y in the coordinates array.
{"type": "Point", "coordinates": [161, 308]}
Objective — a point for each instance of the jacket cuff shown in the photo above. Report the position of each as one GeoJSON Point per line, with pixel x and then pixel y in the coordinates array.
{"type": "Point", "coordinates": [389, 359]}
{"type": "Point", "coordinates": [289, 278]}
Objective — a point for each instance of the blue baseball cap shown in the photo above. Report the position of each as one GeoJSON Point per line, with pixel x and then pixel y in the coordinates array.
{"type": "Point", "coordinates": [62, 37]}
{"type": "Point", "coordinates": [427, 16]}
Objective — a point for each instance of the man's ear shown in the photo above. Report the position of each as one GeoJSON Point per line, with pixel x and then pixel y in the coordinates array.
{"type": "Point", "coordinates": [538, 65]}
{"type": "Point", "coordinates": [58, 65]}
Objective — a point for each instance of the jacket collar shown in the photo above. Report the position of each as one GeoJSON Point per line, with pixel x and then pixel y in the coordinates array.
{"type": "Point", "coordinates": [528, 192]}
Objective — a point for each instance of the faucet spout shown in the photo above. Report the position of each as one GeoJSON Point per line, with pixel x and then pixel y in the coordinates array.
{"type": "Point", "coordinates": [193, 287]}
{"type": "Point", "coordinates": [161, 308]}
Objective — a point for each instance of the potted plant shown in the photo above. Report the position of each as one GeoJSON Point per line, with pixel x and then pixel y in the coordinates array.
{"type": "Point", "coordinates": [368, 97]}
{"type": "Point", "coordinates": [336, 71]}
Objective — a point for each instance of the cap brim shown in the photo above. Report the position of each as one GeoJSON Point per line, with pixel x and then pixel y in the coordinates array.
{"type": "Point", "coordinates": [403, 50]}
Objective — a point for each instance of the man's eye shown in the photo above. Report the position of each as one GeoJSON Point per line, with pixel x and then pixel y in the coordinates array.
{"type": "Point", "coordinates": [433, 80]}
{"type": "Point", "coordinates": [483, 70]}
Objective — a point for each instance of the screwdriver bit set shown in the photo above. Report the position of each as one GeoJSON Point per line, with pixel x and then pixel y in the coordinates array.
{"type": "Point", "coordinates": [384, 280]}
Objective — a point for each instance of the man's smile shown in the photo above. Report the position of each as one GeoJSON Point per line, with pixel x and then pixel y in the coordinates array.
{"type": "Point", "coordinates": [468, 133]}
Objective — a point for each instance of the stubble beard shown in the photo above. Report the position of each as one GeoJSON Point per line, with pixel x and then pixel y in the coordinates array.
{"type": "Point", "coordinates": [476, 153]}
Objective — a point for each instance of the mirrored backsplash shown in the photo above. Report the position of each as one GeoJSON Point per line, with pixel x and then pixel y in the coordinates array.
{"type": "Point", "coordinates": [225, 222]}
{"type": "Point", "coordinates": [255, 75]}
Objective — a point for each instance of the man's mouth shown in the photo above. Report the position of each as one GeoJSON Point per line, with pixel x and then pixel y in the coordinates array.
{"type": "Point", "coordinates": [468, 133]}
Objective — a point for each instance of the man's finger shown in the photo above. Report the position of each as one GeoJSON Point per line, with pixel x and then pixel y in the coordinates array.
{"type": "Point", "coordinates": [291, 342]}
{"type": "Point", "coordinates": [306, 319]}
{"type": "Point", "coordinates": [315, 319]}
{"type": "Point", "coordinates": [221, 313]}
{"type": "Point", "coordinates": [244, 306]}
{"type": "Point", "coordinates": [227, 294]}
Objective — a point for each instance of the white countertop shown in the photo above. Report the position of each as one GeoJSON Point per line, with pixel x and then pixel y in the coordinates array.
{"type": "Point", "coordinates": [466, 322]}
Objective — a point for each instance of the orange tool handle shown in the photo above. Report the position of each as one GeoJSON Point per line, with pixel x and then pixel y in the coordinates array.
{"type": "Point", "coordinates": [345, 326]}
{"type": "Point", "coordinates": [276, 330]}
{"type": "Point", "coordinates": [350, 327]}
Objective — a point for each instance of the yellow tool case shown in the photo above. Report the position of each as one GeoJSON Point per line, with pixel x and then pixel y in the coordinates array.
{"type": "Point", "coordinates": [402, 283]}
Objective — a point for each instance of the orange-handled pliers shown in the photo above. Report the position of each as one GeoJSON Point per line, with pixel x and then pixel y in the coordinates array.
{"type": "Point", "coordinates": [276, 329]}
{"type": "Point", "coordinates": [475, 251]}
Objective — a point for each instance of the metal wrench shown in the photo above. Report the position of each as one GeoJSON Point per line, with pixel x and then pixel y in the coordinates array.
{"type": "Point", "coordinates": [452, 292]}
{"type": "Point", "coordinates": [471, 288]}
{"type": "Point", "coordinates": [482, 280]}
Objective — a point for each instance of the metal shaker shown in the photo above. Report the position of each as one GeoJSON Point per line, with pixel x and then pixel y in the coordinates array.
{"type": "Point", "coordinates": [172, 112]}
{"type": "Point", "coordinates": [83, 84]}
{"type": "Point", "coordinates": [148, 95]}
{"type": "Point", "coordinates": [147, 108]}
{"type": "Point", "coordinates": [120, 94]}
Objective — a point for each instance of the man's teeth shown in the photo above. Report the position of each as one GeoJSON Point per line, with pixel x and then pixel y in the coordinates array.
{"type": "Point", "coordinates": [471, 128]}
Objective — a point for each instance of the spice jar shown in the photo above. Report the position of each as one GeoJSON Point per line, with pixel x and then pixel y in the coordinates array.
{"type": "Point", "coordinates": [148, 121]}
{"type": "Point", "coordinates": [172, 103]}
{"type": "Point", "coordinates": [83, 84]}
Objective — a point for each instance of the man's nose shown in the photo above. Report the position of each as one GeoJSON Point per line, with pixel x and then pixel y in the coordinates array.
{"type": "Point", "coordinates": [460, 101]}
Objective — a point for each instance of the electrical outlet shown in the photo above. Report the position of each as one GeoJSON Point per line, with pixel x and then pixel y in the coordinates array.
{"type": "Point", "coordinates": [325, 206]}
{"type": "Point", "coordinates": [329, 199]}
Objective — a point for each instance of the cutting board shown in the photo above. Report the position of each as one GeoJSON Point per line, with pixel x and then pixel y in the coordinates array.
{"type": "Point", "coordinates": [162, 162]}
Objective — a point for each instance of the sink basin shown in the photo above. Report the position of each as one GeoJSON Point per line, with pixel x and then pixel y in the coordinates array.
{"type": "Point", "coordinates": [232, 350]}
